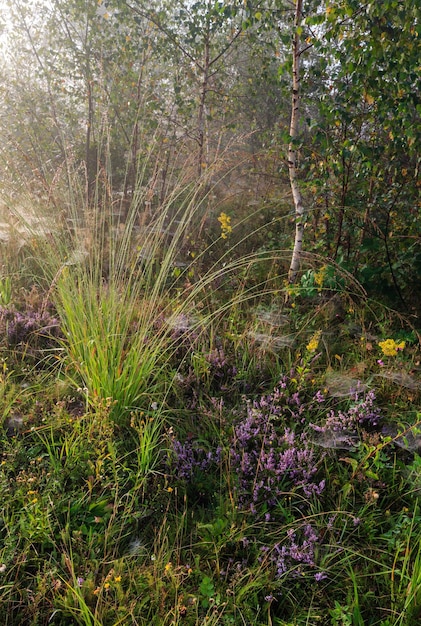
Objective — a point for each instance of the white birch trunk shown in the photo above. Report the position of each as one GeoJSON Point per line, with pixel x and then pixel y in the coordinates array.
{"type": "Point", "coordinates": [292, 149]}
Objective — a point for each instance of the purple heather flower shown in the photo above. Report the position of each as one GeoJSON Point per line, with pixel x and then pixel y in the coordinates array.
{"type": "Point", "coordinates": [271, 459]}
{"type": "Point", "coordinates": [319, 397]}
{"type": "Point", "coordinates": [29, 326]}
{"type": "Point", "coordinates": [362, 411]}
{"type": "Point", "coordinates": [189, 458]}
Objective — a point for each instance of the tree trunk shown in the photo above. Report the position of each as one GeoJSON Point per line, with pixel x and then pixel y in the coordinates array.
{"type": "Point", "coordinates": [292, 149]}
{"type": "Point", "coordinates": [201, 159]}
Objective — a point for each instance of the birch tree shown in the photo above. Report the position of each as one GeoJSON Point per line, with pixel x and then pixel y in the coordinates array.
{"type": "Point", "coordinates": [292, 148]}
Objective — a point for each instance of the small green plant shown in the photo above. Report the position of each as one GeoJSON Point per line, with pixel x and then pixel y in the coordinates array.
{"type": "Point", "coordinates": [5, 291]}
{"type": "Point", "coordinates": [326, 278]}
{"type": "Point", "coordinates": [207, 591]}
{"type": "Point", "coordinates": [341, 615]}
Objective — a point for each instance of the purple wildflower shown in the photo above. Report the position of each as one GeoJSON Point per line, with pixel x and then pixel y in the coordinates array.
{"type": "Point", "coordinates": [190, 458]}
{"type": "Point", "coordinates": [363, 411]}
{"type": "Point", "coordinates": [295, 554]}
{"type": "Point", "coordinates": [31, 326]}
{"type": "Point", "coordinates": [267, 456]}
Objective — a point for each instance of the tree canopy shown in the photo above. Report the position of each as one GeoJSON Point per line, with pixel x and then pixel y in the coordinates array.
{"type": "Point", "coordinates": [93, 87]}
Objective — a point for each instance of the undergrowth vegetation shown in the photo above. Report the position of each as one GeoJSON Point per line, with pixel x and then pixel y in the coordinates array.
{"type": "Point", "coordinates": [188, 439]}
{"type": "Point", "coordinates": [207, 420]}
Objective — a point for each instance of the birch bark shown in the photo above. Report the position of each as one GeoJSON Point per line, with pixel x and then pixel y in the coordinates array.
{"type": "Point", "coordinates": [292, 148]}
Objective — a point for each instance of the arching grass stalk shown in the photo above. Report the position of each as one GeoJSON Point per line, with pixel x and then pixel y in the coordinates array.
{"type": "Point", "coordinates": [119, 328]}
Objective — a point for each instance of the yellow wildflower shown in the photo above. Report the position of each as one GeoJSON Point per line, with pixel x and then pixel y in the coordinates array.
{"type": "Point", "coordinates": [314, 341]}
{"type": "Point", "coordinates": [117, 579]}
{"type": "Point", "coordinates": [168, 566]}
{"type": "Point", "coordinates": [319, 277]}
{"type": "Point", "coordinates": [226, 227]}
{"type": "Point", "coordinates": [389, 347]}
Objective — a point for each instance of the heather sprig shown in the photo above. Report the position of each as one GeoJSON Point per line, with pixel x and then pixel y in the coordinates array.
{"type": "Point", "coordinates": [362, 412]}
{"type": "Point", "coordinates": [30, 326]}
{"type": "Point", "coordinates": [270, 459]}
{"type": "Point", "coordinates": [295, 555]}
{"type": "Point", "coordinates": [189, 457]}
{"type": "Point", "coordinates": [266, 452]}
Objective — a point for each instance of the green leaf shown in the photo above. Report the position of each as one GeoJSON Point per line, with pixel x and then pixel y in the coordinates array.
{"type": "Point", "coordinates": [371, 475]}
{"type": "Point", "coordinates": [314, 20]}
{"type": "Point", "coordinates": [207, 590]}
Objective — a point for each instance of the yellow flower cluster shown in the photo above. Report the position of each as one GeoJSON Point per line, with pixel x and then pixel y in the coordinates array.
{"type": "Point", "coordinates": [314, 341]}
{"type": "Point", "coordinates": [319, 277]}
{"type": "Point", "coordinates": [389, 347]}
{"type": "Point", "coordinates": [226, 227]}
{"type": "Point", "coordinates": [109, 579]}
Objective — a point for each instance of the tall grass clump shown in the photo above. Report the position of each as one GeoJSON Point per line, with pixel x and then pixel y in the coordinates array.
{"type": "Point", "coordinates": [110, 352]}
{"type": "Point", "coordinates": [127, 290]}
{"type": "Point", "coordinates": [109, 309]}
